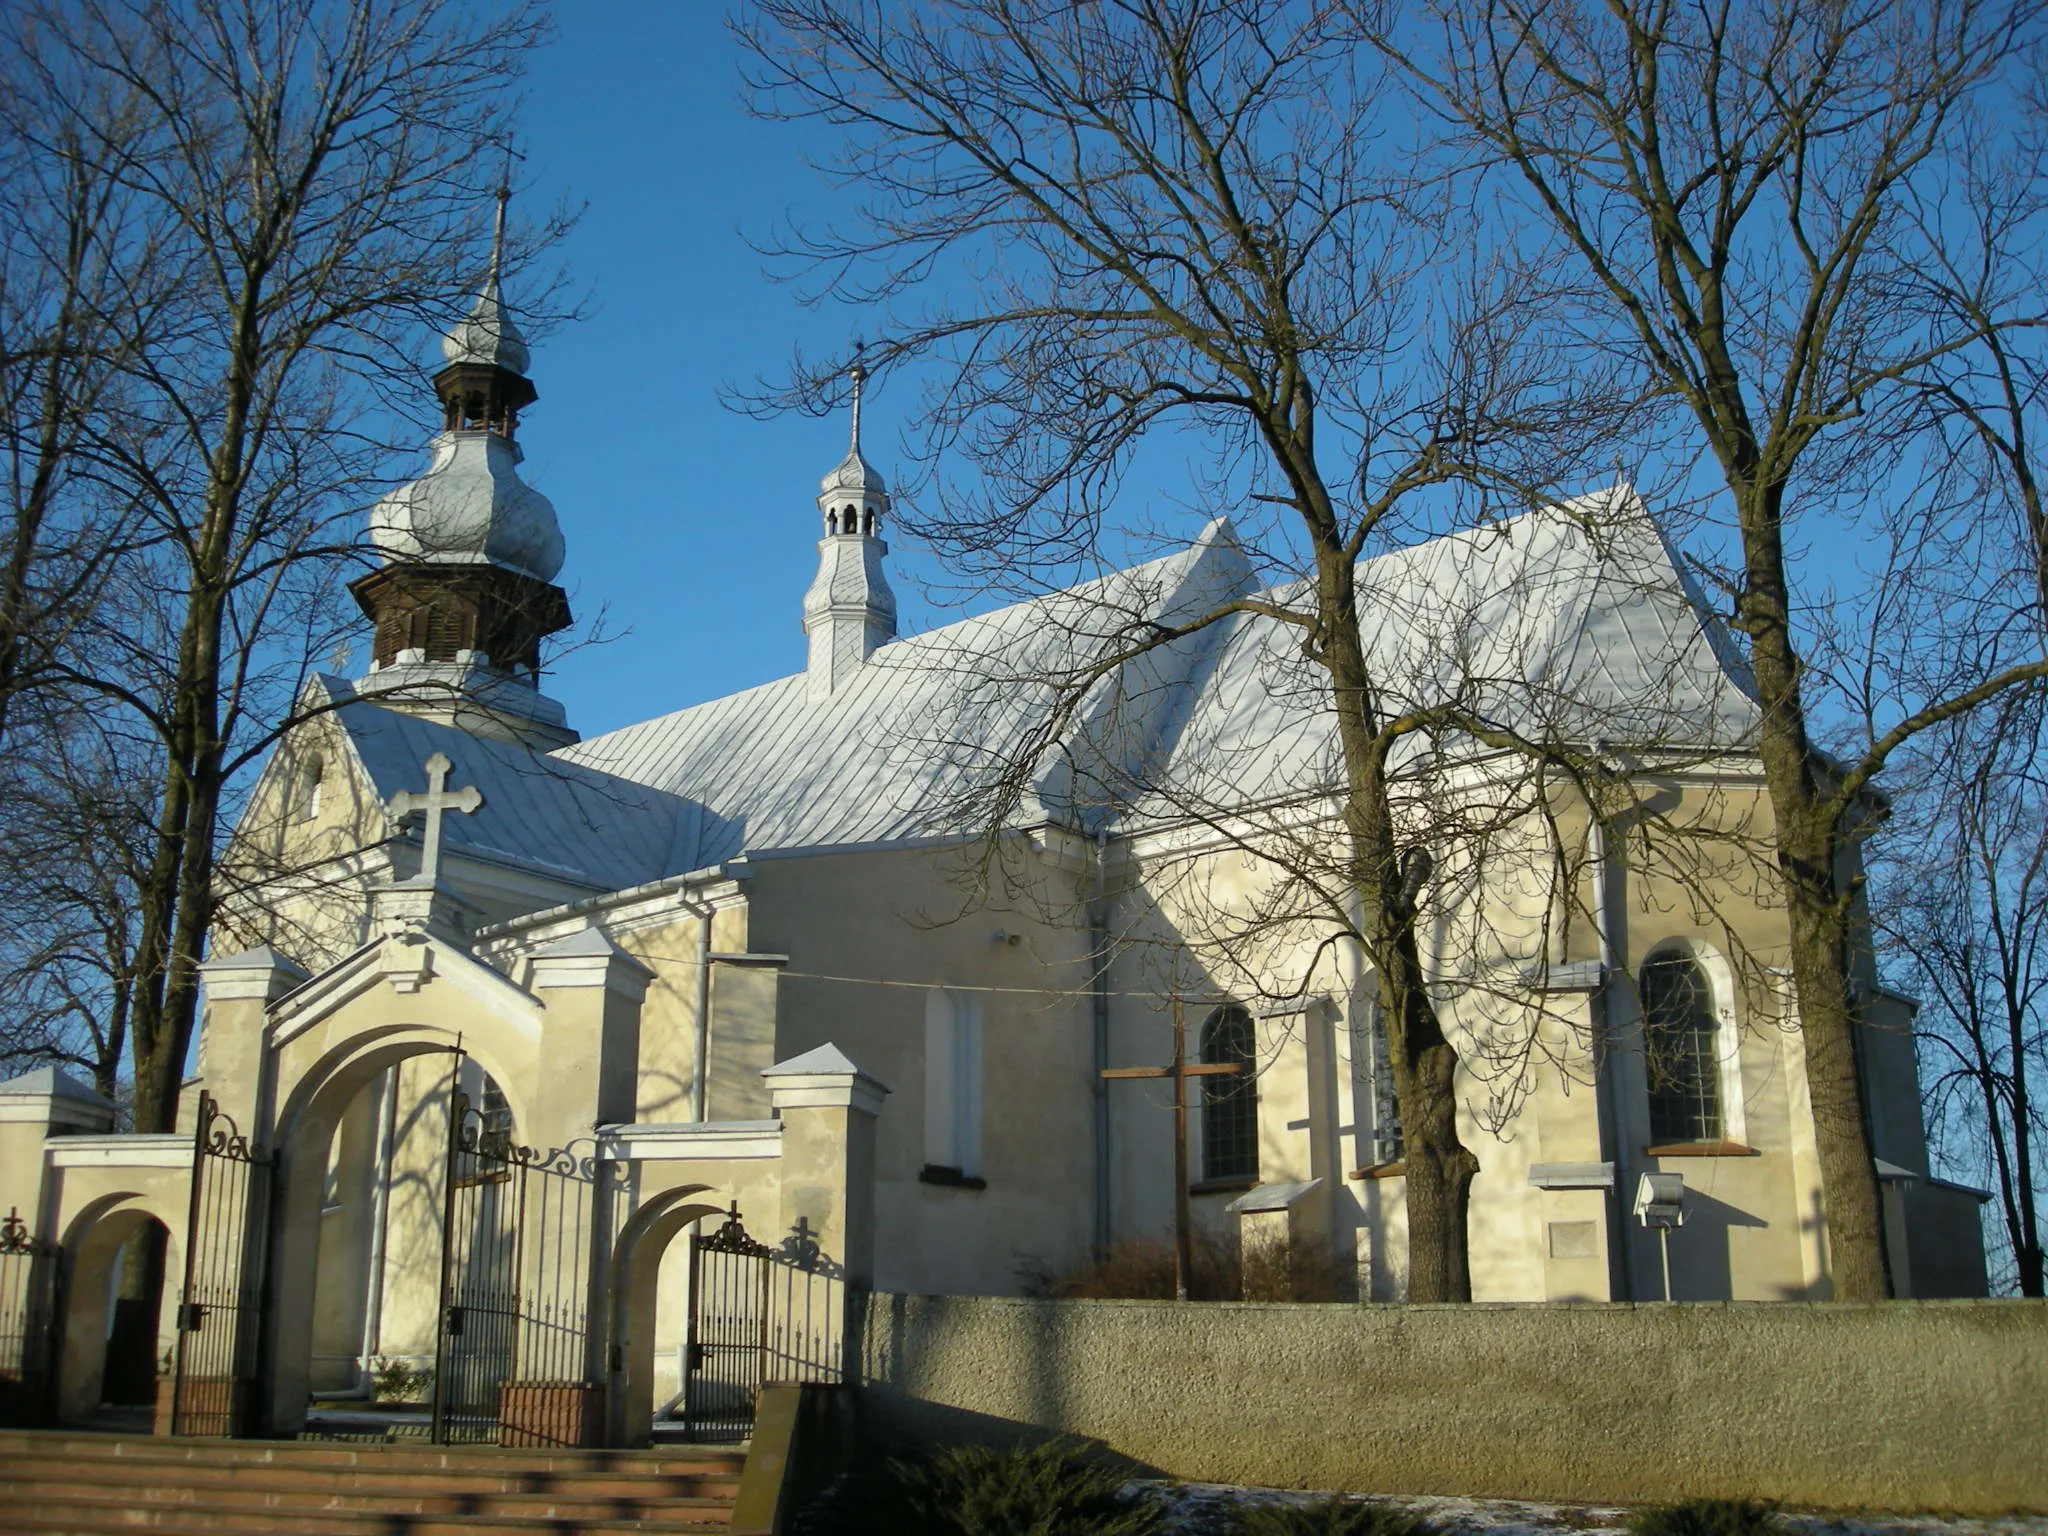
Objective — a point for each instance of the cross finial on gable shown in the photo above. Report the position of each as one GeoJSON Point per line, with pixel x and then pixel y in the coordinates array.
{"type": "Point", "coordinates": [434, 804]}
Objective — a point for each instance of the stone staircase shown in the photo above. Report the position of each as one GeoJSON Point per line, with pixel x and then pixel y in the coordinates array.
{"type": "Point", "coordinates": [58, 1484]}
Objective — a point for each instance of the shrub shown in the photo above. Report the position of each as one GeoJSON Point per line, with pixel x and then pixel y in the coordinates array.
{"type": "Point", "coordinates": [1325, 1517]}
{"type": "Point", "coordinates": [1273, 1270]}
{"type": "Point", "coordinates": [1707, 1517]}
{"type": "Point", "coordinates": [1053, 1489]}
{"type": "Point", "coordinates": [396, 1381]}
{"type": "Point", "coordinates": [1141, 1269]}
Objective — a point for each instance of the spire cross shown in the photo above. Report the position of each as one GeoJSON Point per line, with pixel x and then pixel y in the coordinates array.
{"type": "Point", "coordinates": [434, 803]}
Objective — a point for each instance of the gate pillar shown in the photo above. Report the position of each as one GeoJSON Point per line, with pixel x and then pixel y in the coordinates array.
{"type": "Point", "coordinates": [36, 1105]}
{"type": "Point", "coordinates": [827, 1106]}
{"type": "Point", "coordinates": [239, 991]}
{"type": "Point", "coordinates": [592, 991]}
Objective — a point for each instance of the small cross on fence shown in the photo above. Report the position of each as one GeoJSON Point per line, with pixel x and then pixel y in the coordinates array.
{"type": "Point", "coordinates": [434, 804]}
{"type": "Point", "coordinates": [1178, 1073]}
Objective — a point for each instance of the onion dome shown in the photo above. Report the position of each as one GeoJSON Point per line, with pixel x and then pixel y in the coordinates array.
{"type": "Point", "coordinates": [471, 507]}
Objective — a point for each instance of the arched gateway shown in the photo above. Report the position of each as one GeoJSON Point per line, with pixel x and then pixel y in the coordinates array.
{"type": "Point", "coordinates": [412, 1165]}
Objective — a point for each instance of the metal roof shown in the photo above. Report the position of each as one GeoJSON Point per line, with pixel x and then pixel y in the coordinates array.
{"type": "Point", "coordinates": [540, 813]}
{"type": "Point", "coordinates": [1575, 621]}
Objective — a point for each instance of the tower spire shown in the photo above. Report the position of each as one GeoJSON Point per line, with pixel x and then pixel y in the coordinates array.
{"type": "Point", "coordinates": [466, 591]}
{"type": "Point", "coordinates": [849, 609]}
{"type": "Point", "coordinates": [497, 266]}
{"type": "Point", "coordinates": [859, 374]}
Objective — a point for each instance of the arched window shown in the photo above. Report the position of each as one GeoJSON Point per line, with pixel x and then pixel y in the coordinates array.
{"type": "Point", "coordinates": [1681, 1040]}
{"type": "Point", "coordinates": [311, 778]}
{"type": "Point", "coordinates": [1230, 1104]}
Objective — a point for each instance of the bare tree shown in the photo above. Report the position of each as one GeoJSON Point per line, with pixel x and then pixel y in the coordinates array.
{"type": "Point", "coordinates": [1963, 902]}
{"type": "Point", "coordinates": [83, 284]}
{"type": "Point", "coordinates": [318, 174]}
{"type": "Point", "coordinates": [75, 833]}
{"type": "Point", "coordinates": [1801, 219]}
{"type": "Point", "coordinates": [1154, 213]}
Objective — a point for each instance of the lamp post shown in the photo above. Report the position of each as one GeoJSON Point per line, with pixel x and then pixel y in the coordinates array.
{"type": "Point", "coordinates": [1660, 1204]}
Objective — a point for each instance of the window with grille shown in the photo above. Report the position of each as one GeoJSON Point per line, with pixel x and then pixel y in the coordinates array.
{"type": "Point", "coordinates": [1387, 1144]}
{"type": "Point", "coordinates": [495, 1111]}
{"type": "Point", "coordinates": [1681, 1046]}
{"type": "Point", "coordinates": [1375, 1105]}
{"type": "Point", "coordinates": [1230, 1104]}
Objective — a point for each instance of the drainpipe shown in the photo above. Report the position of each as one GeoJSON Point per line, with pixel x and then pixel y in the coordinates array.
{"type": "Point", "coordinates": [1098, 944]}
{"type": "Point", "coordinates": [699, 1088]}
{"type": "Point", "coordinates": [1621, 1264]}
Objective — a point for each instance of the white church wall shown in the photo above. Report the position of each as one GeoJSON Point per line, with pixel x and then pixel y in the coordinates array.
{"type": "Point", "coordinates": [870, 936]}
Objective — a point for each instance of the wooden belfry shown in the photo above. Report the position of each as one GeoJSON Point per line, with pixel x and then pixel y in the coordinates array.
{"type": "Point", "coordinates": [1178, 1073]}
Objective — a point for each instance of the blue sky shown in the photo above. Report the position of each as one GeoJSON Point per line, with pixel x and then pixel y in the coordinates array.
{"type": "Point", "coordinates": [694, 526]}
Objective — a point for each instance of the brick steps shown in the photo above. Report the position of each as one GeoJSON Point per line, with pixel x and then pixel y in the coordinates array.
{"type": "Point", "coordinates": [92, 1485]}
{"type": "Point", "coordinates": [198, 1477]}
{"type": "Point", "coordinates": [82, 1517]}
{"type": "Point", "coordinates": [309, 1453]}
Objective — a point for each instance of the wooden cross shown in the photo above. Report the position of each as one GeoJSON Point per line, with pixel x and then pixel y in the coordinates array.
{"type": "Point", "coordinates": [434, 803]}
{"type": "Point", "coordinates": [1178, 1074]}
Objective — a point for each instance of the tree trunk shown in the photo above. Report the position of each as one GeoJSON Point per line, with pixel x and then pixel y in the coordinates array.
{"type": "Point", "coordinates": [156, 1108]}
{"type": "Point", "coordinates": [1807, 832]}
{"type": "Point", "coordinates": [1439, 1166]}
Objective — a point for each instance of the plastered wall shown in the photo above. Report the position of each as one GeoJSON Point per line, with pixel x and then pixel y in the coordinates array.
{"type": "Point", "coordinates": [1898, 1406]}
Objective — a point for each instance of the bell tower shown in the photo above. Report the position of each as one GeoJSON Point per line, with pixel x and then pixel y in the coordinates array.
{"type": "Point", "coordinates": [465, 593]}
{"type": "Point", "coordinates": [849, 609]}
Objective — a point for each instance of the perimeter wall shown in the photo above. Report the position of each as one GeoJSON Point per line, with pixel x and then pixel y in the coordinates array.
{"type": "Point", "coordinates": [1916, 1405]}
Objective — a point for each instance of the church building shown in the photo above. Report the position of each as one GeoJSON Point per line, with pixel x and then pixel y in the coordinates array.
{"type": "Point", "coordinates": [568, 1085]}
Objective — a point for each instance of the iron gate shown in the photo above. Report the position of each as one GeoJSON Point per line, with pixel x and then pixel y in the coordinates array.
{"type": "Point", "coordinates": [508, 1312]}
{"type": "Point", "coordinates": [728, 1342]}
{"type": "Point", "coordinates": [29, 1271]}
{"type": "Point", "coordinates": [220, 1307]}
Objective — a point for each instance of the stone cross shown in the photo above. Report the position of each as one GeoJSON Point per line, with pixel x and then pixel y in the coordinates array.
{"type": "Point", "coordinates": [434, 803]}
{"type": "Point", "coordinates": [1178, 1074]}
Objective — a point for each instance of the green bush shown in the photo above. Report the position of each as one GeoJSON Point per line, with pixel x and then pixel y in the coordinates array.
{"type": "Point", "coordinates": [1325, 1517]}
{"type": "Point", "coordinates": [397, 1381]}
{"type": "Point", "coordinates": [1053, 1489]}
{"type": "Point", "coordinates": [1707, 1517]}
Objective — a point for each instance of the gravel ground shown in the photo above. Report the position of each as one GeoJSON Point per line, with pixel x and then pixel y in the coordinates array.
{"type": "Point", "coordinates": [1198, 1505]}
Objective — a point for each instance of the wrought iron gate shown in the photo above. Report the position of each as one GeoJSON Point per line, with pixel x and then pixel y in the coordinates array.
{"type": "Point", "coordinates": [478, 1344]}
{"type": "Point", "coordinates": [508, 1313]}
{"type": "Point", "coordinates": [728, 1343]}
{"type": "Point", "coordinates": [220, 1307]}
{"type": "Point", "coordinates": [29, 1272]}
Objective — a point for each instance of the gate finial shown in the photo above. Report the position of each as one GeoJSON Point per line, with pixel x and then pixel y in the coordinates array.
{"type": "Point", "coordinates": [436, 802]}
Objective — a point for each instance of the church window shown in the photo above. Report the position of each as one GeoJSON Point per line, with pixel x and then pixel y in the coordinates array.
{"type": "Point", "coordinates": [1374, 1102]}
{"type": "Point", "coordinates": [496, 1112]}
{"type": "Point", "coordinates": [952, 1087]}
{"type": "Point", "coordinates": [311, 779]}
{"type": "Point", "coordinates": [1681, 1048]}
{"type": "Point", "coordinates": [1230, 1104]}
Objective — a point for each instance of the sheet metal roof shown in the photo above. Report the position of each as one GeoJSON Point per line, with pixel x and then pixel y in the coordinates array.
{"type": "Point", "coordinates": [1576, 621]}
{"type": "Point", "coordinates": [540, 813]}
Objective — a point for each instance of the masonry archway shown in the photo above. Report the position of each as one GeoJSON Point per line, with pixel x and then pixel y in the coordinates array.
{"type": "Point", "coordinates": [313, 1114]}
{"type": "Point", "coordinates": [637, 1302]}
{"type": "Point", "coordinates": [94, 1246]}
